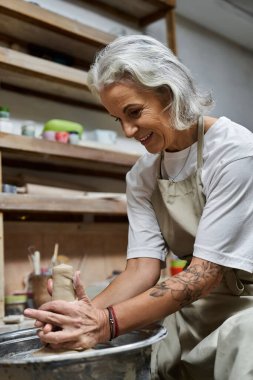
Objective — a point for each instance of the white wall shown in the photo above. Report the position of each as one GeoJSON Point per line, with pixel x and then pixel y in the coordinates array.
{"type": "Point", "coordinates": [216, 63]}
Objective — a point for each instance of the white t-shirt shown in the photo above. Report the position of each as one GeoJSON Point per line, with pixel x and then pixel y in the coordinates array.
{"type": "Point", "coordinates": [225, 231]}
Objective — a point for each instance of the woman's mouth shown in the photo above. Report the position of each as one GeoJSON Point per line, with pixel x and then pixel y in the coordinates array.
{"type": "Point", "coordinates": [145, 140]}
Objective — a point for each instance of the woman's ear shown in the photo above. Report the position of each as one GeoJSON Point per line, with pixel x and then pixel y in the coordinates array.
{"type": "Point", "coordinates": [165, 95]}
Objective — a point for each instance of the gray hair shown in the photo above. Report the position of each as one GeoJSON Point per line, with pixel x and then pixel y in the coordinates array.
{"type": "Point", "coordinates": [153, 67]}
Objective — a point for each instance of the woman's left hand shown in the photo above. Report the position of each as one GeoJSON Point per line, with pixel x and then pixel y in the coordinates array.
{"type": "Point", "coordinates": [76, 325]}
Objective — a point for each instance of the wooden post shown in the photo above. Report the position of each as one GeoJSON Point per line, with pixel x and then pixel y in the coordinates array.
{"type": "Point", "coordinates": [1, 252]}
{"type": "Point", "coordinates": [170, 20]}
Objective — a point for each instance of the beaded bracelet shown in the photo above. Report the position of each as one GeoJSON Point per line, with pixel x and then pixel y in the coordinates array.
{"type": "Point", "coordinates": [114, 327]}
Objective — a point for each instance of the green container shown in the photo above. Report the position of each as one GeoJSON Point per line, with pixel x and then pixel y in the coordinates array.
{"type": "Point", "coordinates": [58, 125]}
{"type": "Point", "coordinates": [178, 263]}
{"type": "Point", "coordinates": [4, 112]}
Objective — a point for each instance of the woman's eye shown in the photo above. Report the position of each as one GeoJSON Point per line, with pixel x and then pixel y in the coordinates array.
{"type": "Point", "coordinates": [116, 119]}
{"type": "Point", "coordinates": [135, 113]}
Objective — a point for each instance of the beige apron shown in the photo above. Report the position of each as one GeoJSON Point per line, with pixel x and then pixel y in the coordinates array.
{"type": "Point", "coordinates": [190, 349]}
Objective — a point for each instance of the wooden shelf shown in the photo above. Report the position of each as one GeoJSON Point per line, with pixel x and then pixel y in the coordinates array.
{"type": "Point", "coordinates": [35, 152]}
{"type": "Point", "coordinates": [45, 78]}
{"type": "Point", "coordinates": [86, 204]}
{"type": "Point", "coordinates": [141, 12]}
{"type": "Point", "coordinates": [25, 23]}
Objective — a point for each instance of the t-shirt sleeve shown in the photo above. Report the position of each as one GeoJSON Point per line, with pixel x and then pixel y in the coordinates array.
{"type": "Point", "coordinates": [225, 232]}
{"type": "Point", "coordinates": [144, 235]}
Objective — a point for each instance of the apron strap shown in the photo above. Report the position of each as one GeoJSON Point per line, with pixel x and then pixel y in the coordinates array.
{"type": "Point", "coordinates": [160, 164]}
{"type": "Point", "coordinates": [200, 142]}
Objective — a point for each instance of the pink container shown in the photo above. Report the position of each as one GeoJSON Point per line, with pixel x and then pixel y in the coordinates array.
{"type": "Point", "coordinates": [62, 137]}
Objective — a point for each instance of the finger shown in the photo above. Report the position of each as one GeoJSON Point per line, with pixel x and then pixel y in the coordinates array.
{"type": "Point", "coordinates": [39, 324]}
{"type": "Point", "coordinates": [29, 313]}
{"type": "Point", "coordinates": [79, 288]}
{"type": "Point", "coordinates": [59, 306]}
{"type": "Point", "coordinates": [47, 317]}
{"type": "Point", "coordinates": [48, 327]}
{"type": "Point", "coordinates": [50, 286]}
{"type": "Point", "coordinates": [58, 337]}
{"type": "Point", "coordinates": [71, 346]}
{"type": "Point", "coordinates": [67, 340]}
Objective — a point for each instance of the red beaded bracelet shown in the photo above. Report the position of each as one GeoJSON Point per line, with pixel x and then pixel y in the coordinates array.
{"type": "Point", "coordinates": [114, 327]}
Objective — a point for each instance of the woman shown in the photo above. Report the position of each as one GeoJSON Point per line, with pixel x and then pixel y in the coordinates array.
{"type": "Point", "coordinates": [191, 193]}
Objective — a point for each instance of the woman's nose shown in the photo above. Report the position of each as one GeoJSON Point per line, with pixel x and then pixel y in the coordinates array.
{"type": "Point", "coordinates": [129, 129]}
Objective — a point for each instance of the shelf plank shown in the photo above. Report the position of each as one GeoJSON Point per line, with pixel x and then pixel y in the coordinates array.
{"type": "Point", "coordinates": [22, 150]}
{"type": "Point", "coordinates": [141, 12]}
{"type": "Point", "coordinates": [29, 23]}
{"type": "Point", "coordinates": [45, 77]}
{"type": "Point", "coordinates": [30, 203]}
{"type": "Point", "coordinates": [74, 180]}
{"type": "Point", "coordinates": [2, 274]}
{"type": "Point", "coordinates": [19, 62]}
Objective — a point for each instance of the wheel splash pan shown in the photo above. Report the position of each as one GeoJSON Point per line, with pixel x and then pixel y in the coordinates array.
{"type": "Point", "coordinates": [124, 358]}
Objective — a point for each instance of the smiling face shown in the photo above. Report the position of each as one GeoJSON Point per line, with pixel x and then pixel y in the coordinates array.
{"type": "Point", "coordinates": [141, 115]}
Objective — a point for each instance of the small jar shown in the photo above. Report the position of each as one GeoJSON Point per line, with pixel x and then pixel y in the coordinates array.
{"type": "Point", "coordinates": [74, 138]}
{"type": "Point", "coordinates": [5, 122]}
{"type": "Point", "coordinates": [28, 128]}
{"type": "Point", "coordinates": [49, 135]}
{"type": "Point", "coordinates": [39, 289]}
{"type": "Point", "coordinates": [15, 304]}
{"type": "Point", "coordinates": [62, 137]}
{"type": "Point", "coordinates": [7, 188]}
{"type": "Point", "coordinates": [177, 266]}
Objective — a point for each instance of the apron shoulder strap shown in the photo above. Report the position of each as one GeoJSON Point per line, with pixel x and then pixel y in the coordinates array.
{"type": "Point", "coordinates": [200, 142]}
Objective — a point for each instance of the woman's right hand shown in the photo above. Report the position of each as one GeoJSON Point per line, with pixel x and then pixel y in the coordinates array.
{"type": "Point", "coordinates": [71, 325]}
{"type": "Point", "coordinates": [79, 291]}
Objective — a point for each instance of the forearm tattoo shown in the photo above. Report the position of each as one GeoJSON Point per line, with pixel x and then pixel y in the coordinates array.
{"type": "Point", "coordinates": [188, 286]}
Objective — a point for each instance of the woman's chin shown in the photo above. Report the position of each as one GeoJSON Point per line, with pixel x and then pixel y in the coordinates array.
{"type": "Point", "coordinates": [153, 150]}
